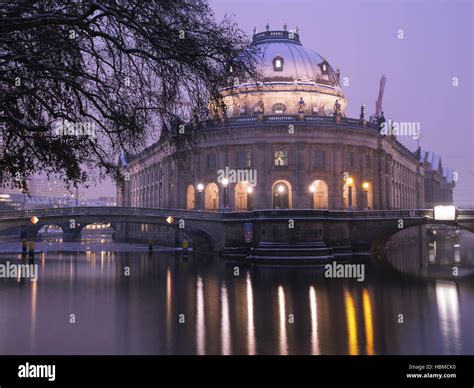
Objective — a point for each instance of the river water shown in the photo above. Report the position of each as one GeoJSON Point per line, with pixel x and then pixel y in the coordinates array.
{"type": "Point", "coordinates": [107, 298]}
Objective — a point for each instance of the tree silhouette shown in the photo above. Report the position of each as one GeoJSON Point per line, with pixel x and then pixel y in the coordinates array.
{"type": "Point", "coordinates": [82, 81]}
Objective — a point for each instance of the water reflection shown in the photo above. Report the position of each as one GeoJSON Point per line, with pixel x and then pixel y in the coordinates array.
{"type": "Point", "coordinates": [351, 323]}
{"type": "Point", "coordinates": [283, 340]}
{"type": "Point", "coordinates": [225, 322]}
{"type": "Point", "coordinates": [448, 311]}
{"type": "Point", "coordinates": [368, 321]}
{"type": "Point", "coordinates": [169, 293]}
{"type": "Point", "coordinates": [200, 318]}
{"type": "Point", "coordinates": [251, 342]}
{"type": "Point", "coordinates": [314, 321]}
{"type": "Point", "coordinates": [225, 314]}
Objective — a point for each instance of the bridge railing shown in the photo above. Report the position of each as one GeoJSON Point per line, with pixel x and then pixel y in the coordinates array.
{"type": "Point", "coordinates": [107, 210]}
{"type": "Point", "coordinates": [310, 213]}
{"type": "Point", "coordinates": [217, 215]}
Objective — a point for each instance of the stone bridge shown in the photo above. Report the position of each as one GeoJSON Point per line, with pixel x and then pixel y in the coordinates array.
{"type": "Point", "coordinates": [223, 232]}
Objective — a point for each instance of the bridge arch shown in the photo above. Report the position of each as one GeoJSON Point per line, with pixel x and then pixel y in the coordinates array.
{"type": "Point", "coordinates": [384, 233]}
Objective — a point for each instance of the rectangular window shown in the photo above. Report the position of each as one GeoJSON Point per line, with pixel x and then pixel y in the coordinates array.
{"type": "Point", "coordinates": [368, 161]}
{"type": "Point", "coordinates": [211, 161]}
{"type": "Point", "coordinates": [244, 159]}
{"type": "Point", "coordinates": [350, 159]}
{"type": "Point", "coordinates": [281, 158]}
{"type": "Point", "coordinates": [319, 158]}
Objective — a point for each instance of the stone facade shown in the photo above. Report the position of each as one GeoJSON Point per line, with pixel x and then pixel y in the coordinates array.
{"type": "Point", "coordinates": [300, 155]}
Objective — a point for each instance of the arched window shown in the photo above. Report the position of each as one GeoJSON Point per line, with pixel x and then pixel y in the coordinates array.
{"type": "Point", "coordinates": [350, 188]}
{"type": "Point", "coordinates": [324, 65]}
{"type": "Point", "coordinates": [211, 196]}
{"type": "Point", "coordinates": [278, 63]}
{"type": "Point", "coordinates": [319, 190]}
{"type": "Point", "coordinates": [281, 194]}
{"type": "Point", "coordinates": [190, 197]}
{"type": "Point", "coordinates": [241, 196]}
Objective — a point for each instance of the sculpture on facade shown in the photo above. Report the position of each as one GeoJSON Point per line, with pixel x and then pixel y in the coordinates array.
{"type": "Point", "coordinates": [362, 112]}
{"type": "Point", "coordinates": [301, 105]}
{"type": "Point", "coordinates": [337, 108]}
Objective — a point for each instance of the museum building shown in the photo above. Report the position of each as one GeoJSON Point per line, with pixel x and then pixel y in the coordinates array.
{"type": "Point", "coordinates": [286, 143]}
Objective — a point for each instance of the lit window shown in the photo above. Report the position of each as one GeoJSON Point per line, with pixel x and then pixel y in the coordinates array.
{"type": "Point", "coordinates": [278, 64]}
{"type": "Point", "coordinates": [324, 67]}
{"type": "Point", "coordinates": [281, 158]}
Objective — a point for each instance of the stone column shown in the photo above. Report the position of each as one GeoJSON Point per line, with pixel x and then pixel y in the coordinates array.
{"type": "Point", "coordinates": [335, 191]}
{"type": "Point", "coordinates": [262, 194]}
{"type": "Point", "coordinates": [300, 192]}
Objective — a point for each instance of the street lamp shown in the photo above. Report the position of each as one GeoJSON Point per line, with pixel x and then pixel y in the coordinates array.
{"type": "Point", "coordinates": [350, 183]}
{"type": "Point", "coordinates": [365, 186]}
{"type": "Point", "coordinates": [200, 188]}
{"type": "Point", "coordinates": [225, 183]}
{"type": "Point", "coordinates": [312, 190]}
{"type": "Point", "coordinates": [249, 198]}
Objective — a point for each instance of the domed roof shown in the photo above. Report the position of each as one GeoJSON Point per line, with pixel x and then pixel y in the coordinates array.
{"type": "Point", "coordinates": [285, 60]}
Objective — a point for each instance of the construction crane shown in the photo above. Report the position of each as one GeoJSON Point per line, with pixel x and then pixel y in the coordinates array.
{"type": "Point", "coordinates": [378, 103]}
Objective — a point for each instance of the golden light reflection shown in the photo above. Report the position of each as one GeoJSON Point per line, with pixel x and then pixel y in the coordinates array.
{"type": "Point", "coordinates": [282, 309]}
{"type": "Point", "coordinates": [200, 319]}
{"type": "Point", "coordinates": [251, 341]}
{"type": "Point", "coordinates": [34, 291]}
{"type": "Point", "coordinates": [314, 321]}
{"type": "Point", "coordinates": [447, 299]}
{"type": "Point", "coordinates": [369, 323]}
{"type": "Point", "coordinates": [225, 322]}
{"type": "Point", "coordinates": [351, 323]}
{"type": "Point", "coordinates": [102, 257]}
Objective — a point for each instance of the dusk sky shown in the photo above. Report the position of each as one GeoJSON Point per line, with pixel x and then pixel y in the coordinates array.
{"type": "Point", "coordinates": [362, 39]}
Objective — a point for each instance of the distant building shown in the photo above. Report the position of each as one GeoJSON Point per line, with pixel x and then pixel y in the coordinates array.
{"type": "Point", "coordinates": [101, 201]}
{"type": "Point", "coordinates": [439, 181]}
{"type": "Point", "coordinates": [44, 193]}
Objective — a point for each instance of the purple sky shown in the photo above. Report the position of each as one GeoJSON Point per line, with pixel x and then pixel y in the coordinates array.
{"type": "Point", "coordinates": [360, 37]}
